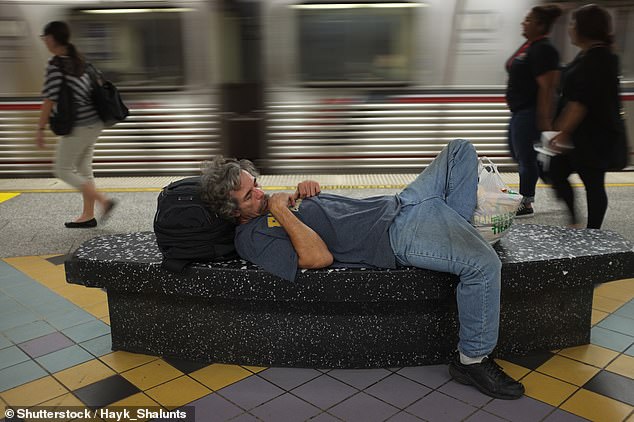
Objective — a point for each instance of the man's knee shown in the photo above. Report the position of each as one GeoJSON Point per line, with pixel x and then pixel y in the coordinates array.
{"type": "Point", "coordinates": [464, 148]}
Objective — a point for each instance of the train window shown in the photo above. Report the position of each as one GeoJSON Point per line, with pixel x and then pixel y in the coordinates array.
{"type": "Point", "coordinates": [355, 43]}
{"type": "Point", "coordinates": [136, 48]}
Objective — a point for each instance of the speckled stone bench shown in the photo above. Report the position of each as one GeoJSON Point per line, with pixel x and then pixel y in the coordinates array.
{"type": "Point", "coordinates": [232, 312]}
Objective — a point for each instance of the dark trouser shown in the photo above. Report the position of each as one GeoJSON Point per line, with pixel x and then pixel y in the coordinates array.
{"type": "Point", "coordinates": [523, 133]}
{"type": "Point", "coordinates": [594, 181]}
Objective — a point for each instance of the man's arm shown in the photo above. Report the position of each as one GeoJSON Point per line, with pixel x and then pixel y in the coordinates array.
{"type": "Point", "coordinates": [311, 250]}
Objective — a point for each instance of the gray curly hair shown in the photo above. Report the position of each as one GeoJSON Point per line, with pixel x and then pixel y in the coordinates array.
{"type": "Point", "coordinates": [220, 176]}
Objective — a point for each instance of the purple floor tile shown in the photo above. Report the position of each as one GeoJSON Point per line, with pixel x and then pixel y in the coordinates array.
{"type": "Point", "coordinates": [363, 407]}
{"type": "Point", "coordinates": [398, 391]}
{"type": "Point", "coordinates": [324, 392]}
{"type": "Point", "coordinates": [439, 407]}
{"type": "Point", "coordinates": [359, 378]}
{"type": "Point", "coordinates": [465, 393]}
{"type": "Point", "coordinates": [250, 392]}
{"type": "Point", "coordinates": [482, 416]}
{"type": "Point", "coordinates": [324, 417]}
{"type": "Point", "coordinates": [404, 417]}
{"type": "Point", "coordinates": [525, 409]}
{"type": "Point", "coordinates": [46, 344]}
{"type": "Point", "coordinates": [245, 417]}
{"type": "Point", "coordinates": [285, 408]}
{"type": "Point", "coordinates": [289, 378]}
{"type": "Point", "coordinates": [563, 416]}
{"type": "Point", "coordinates": [215, 405]}
{"type": "Point", "coordinates": [431, 376]}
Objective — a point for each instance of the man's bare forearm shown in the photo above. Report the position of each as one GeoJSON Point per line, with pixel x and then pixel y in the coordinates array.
{"type": "Point", "coordinates": [311, 250]}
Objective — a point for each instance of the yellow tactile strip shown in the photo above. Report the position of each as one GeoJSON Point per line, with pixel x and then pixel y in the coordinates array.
{"type": "Point", "coordinates": [558, 382]}
{"type": "Point", "coordinates": [5, 196]}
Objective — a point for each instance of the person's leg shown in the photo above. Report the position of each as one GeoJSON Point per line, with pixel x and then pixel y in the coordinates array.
{"type": "Point", "coordinates": [452, 177]}
{"type": "Point", "coordinates": [90, 194]}
{"type": "Point", "coordinates": [596, 196]}
{"type": "Point", "coordinates": [523, 135]}
{"type": "Point", "coordinates": [432, 235]}
{"type": "Point", "coordinates": [560, 169]}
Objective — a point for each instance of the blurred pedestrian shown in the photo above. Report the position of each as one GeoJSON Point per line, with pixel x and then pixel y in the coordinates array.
{"type": "Point", "coordinates": [588, 113]}
{"type": "Point", "coordinates": [533, 73]}
{"type": "Point", "coordinates": [73, 159]}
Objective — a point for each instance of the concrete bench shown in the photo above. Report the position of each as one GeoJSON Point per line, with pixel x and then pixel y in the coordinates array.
{"type": "Point", "coordinates": [233, 312]}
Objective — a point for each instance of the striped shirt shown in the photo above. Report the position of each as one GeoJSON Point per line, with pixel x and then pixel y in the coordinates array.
{"type": "Point", "coordinates": [82, 89]}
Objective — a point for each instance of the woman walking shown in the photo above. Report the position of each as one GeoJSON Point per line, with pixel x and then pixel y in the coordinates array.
{"type": "Point", "coordinates": [73, 159]}
{"type": "Point", "coordinates": [589, 114]}
{"type": "Point", "coordinates": [533, 73]}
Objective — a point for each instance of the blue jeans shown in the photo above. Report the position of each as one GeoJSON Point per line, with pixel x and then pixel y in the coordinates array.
{"type": "Point", "coordinates": [523, 133]}
{"type": "Point", "coordinates": [433, 231]}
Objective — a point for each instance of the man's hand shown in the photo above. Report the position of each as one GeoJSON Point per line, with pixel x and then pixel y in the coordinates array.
{"type": "Point", "coordinates": [280, 200]}
{"type": "Point", "coordinates": [306, 189]}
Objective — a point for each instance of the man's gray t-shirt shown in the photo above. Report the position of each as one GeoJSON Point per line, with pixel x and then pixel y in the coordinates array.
{"type": "Point", "coordinates": [355, 231]}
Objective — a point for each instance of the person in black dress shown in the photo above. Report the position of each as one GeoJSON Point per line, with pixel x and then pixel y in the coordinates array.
{"type": "Point", "coordinates": [588, 113]}
{"type": "Point", "coordinates": [533, 75]}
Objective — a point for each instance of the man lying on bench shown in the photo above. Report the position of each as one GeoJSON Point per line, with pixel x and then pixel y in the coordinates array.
{"type": "Point", "coordinates": [427, 225]}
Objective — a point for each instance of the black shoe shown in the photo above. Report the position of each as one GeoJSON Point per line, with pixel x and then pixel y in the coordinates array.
{"type": "Point", "coordinates": [81, 225]}
{"type": "Point", "coordinates": [488, 377]}
{"type": "Point", "coordinates": [524, 211]}
{"type": "Point", "coordinates": [107, 211]}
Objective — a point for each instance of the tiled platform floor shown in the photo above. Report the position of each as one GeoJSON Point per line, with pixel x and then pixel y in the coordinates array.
{"type": "Point", "coordinates": [55, 351]}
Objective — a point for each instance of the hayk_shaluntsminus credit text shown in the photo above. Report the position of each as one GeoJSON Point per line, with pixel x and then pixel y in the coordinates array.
{"type": "Point", "coordinates": [118, 415]}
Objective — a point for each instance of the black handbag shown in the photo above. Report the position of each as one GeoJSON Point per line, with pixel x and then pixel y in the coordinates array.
{"type": "Point", "coordinates": [619, 153]}
{"type": "Point", "coordinates": [106, 98]}
{"type": "Point", "coordinates": [62, 120]}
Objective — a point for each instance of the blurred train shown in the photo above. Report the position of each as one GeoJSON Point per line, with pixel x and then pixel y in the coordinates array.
{"type": "Point", "coordinates": [299, 86]}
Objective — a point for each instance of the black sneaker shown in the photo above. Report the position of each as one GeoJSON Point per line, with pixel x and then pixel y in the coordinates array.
{"type": "Point", "coordinates": [524, 211]}
{"type": "Point", "coordinates": [488, 377]}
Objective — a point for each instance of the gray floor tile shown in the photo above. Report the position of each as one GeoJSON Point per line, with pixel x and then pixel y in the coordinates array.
{"type": "Point", "coordinates": [11, 306]}
{"type": "Point", "coordinates": [69, 318]}
{"type": "Point", "coordinates": [87, 331]}
{"type": "Point", "coordinates": [46, 344]}
{"type": "Point", "coordinates": [13, 320]}
{"type": "Point", "coordinates": [324, 392]}
{"type": "Point", "coordinates": [54, 307]}
{"type": "Point", "coordinates": [285, 408]}
{"type": "Point", "coordinates": [610, 339]}
{"type": "Point", "coordinates": [250, 392]}
{"type": "Point", "coordinates": [20, 374]}
{"type": "Point", "coordinates": [437, 407]}
{"type": "Point", "coordinates": [289, 378]}
{"type": "Point", "coordinates": [618, 323]}
{"type": "Point", "coordinates": [12, 356]}
{"type": "Point", "coordinates": [29, 331]}
{"type": "Point", "coordinates": [363, 407]}
{"type": "Point", "coordinates": [4, 342]}
{"type": "Point", "coordinates": [432, 376]}
{"type": "Point", "coordinates": [98, 346]}
{"type": "Point", "coordinates": [64, 358]}
{"type": "Point", "coordinates": [359, 378]}
{"type": "Point", "coordinates": [398, 391]}
{"type": "Point", "coordinates": [525, 409]}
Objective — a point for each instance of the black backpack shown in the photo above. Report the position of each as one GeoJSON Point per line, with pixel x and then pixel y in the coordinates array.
{"type": "Point", "coordinates": [187, 229]}
{"type": "Point", "coordinates": [106, 98]}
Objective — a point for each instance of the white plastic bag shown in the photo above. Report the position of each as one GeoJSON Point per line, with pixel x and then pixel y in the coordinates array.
{"type": "Point", "coordinates": [497, 204]}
